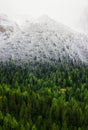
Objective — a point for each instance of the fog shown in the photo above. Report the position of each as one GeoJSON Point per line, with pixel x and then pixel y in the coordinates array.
{"type": "Point", "coordinates": [64, 11]}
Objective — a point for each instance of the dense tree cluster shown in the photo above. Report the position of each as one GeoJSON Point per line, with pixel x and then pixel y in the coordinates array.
{"type": "Point", "coordinates": [47, 97]}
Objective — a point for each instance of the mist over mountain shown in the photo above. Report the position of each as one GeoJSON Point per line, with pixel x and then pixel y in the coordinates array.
{"type": "Point", "coordinates": [44, 65]}
{"type": "Point", "coordinates": [82, 23]}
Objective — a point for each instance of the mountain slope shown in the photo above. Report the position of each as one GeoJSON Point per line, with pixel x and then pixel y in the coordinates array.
{"type": "Point", "coordinates": [44, 39]}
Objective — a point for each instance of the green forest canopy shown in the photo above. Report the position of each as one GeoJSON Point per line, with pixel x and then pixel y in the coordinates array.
{"type": "Point", "coordinates": [45, 97]}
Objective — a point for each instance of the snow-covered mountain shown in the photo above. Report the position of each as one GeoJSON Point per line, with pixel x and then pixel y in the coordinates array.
{"type": "Point", "coordinates": [43, 39]}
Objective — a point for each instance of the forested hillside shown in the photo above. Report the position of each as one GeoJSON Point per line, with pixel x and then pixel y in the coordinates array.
{"type": "Point", "coordinates": [45, 97]}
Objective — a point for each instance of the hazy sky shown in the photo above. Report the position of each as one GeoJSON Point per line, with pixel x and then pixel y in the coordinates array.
{"type": "Point", "coordinates": [65, 11]}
